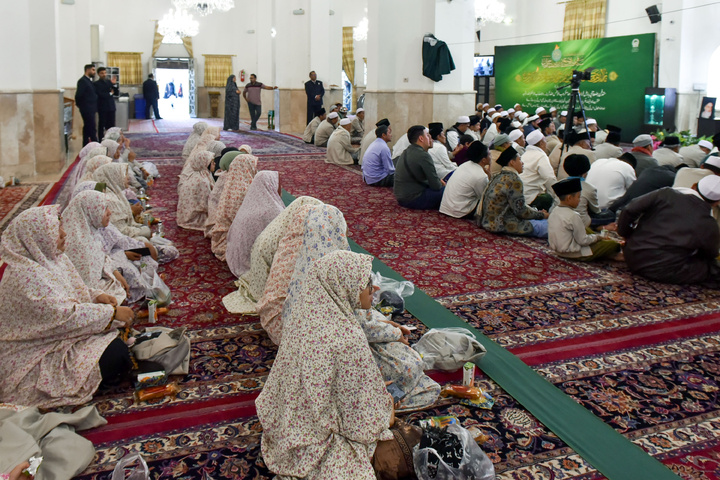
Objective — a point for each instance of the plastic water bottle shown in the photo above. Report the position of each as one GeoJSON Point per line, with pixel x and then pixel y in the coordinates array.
{"type": "Point", "coordinates": [160, 231]}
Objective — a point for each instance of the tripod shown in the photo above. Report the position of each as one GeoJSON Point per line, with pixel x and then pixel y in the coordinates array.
{"type": "Point", "coordinates": [575, 98]}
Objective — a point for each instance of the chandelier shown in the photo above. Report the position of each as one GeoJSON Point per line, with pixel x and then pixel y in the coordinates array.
{"type": "Point", "coordinates": [489, 11]}
{"type": "Point", "coordinates": [177, 24]}
{"type": "Point", "coordinates": [360, 32]}
{"type": "Point", "coordinates": [205, 7]}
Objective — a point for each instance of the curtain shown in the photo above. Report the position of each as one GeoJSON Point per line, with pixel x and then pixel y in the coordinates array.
{"type": "Point", "coordinates": [130, 64]}
{"type": "Point", "coordinates": [217, 70]}
{"type": "Point", "coordinates": [187, 43]}
{"type": "Point", "coordinates": [584, 19]}
{"type": "Point", "coordinates": [348, 62]}
{"type": "Point", "coordinates": [157, 40]}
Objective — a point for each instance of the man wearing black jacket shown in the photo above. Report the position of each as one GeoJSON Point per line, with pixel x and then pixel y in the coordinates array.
{"type": "Point", "coordinates": [106, 103]}
{"type": "Point", "coordinates": [151, 94]}
{"type": "Point", "coordinates": [87, 101]}
{"type": "Point", "coordinates": [314, 90]}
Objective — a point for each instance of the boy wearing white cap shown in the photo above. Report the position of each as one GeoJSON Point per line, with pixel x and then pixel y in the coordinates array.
{"type": "Point", "coordinates": [340, 150]}
{"type": "Point", "coordinates": [671, 236]}
{"type": "Point", "coordinates": [325, 129]}
{"type": "Point", "coordinates": [453, 133]}
{"type": "Point", "coordinates": [357, 129]}
{"type": "Point", "coordinates": [693, 155]}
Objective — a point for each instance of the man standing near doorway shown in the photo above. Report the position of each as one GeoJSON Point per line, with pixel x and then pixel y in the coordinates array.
{"type": "Point", "coordinates": [151, 92]}
{"type": "Point", "coordinates": [106, 103]}
{"type": "Point", "coordinates": [87, 101]}
{"type": "Point", "coordinates": [314, 90]}
{"type": "Point", "coordinates": [251, 94]}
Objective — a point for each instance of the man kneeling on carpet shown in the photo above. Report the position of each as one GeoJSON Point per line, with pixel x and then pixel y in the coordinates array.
{"type": "Point", "coordinates": [567, 233]}
{"type": "Point", "coordinates": [417, 185]}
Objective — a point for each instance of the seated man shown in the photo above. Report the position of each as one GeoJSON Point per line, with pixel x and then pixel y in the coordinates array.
{"type": "Point", "coordinates": [325, 129]}
{"type": "Point", "coordinates": [439, 152]}
{"type": "Point", "coordinates": [340, 150]}
{"type": "Point", "coordinates": [537, 174]}
{"type": "Point", "coordinates": [567, 234]}
{"type": "Point", "coordinates": [687, 177]}
{"type": "Point", "coordinates": [378, 169]}
{"type": "Point", "coordinates": [466, 186]}
{"type": "Point", "coordinates": [309, 134]}
{"type": "Point", "coordinates": [453, 133]}
{"type": "Point", "coordinates": [370, 138]}
{"type": "Point", "coordinates": [499, 145]}
{"type": "Point", "coordinates": [577, 166]}
{"type": "Point", "coordinates": [357, 130]}
{"type": "Point", "coordinates": [650, 180]}
{"type": "Point", "coordinates": [610, 148]}
{"type": "Point", "coordinates": [612, 177]}
{"type": "Point", "coordinates": [693, 155]}
{"type": "Point", "coordinates": [517, 139]}
{"type": "Point", "coordinates": [417, 185]}
{"type": "Point", "coordinates": [671, 236]}
{"type": "Point", "coordinates": [460, 152]}
{"type": "Point", "coordinates": [668, 154]}
{"type": "Point", "coordinates": [578, 143]}
{"type": "Point", "coordinates": [642, 150]}
{"type": "Point", "coordinates": [503, 208]}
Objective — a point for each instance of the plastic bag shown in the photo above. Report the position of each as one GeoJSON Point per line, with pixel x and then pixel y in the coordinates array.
{"type": "Point", "coordinates": [448, 348]}
{"type": "Point", "coordinates": [392, 293]}
{"type": "Point", "coordinates": [151, 168]}
{"type": "Point", "coordinates": [155, 288]}
{"type": "Point", "coordinates": [473, 463]}
{"type": "Point", "coordinates": [125, 471]}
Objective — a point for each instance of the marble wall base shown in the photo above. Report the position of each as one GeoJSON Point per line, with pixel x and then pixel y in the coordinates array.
{"type": "Point", "coordinates": [405, 109]}
{"type": "Point", "coordinates": [31, 138]}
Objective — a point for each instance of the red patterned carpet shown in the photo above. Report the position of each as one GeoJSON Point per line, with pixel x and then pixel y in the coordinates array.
{"type": "Point", "coordinates": [16, 199]}
{"type": "Point", "coordinates": [643, 357]}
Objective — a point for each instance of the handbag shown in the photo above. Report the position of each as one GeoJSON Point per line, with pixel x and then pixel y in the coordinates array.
{"type": "Point", "coordinates": [170, 348]}
{"type": "Point", "coordinates": [393, 459]}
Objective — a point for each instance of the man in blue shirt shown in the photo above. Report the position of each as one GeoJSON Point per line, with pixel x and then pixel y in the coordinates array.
{"type": "Point", "coordinates": [378, 169]}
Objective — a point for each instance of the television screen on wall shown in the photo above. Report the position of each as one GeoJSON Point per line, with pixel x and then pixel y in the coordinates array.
{"type": "Point", "coordinates": [484, 65]}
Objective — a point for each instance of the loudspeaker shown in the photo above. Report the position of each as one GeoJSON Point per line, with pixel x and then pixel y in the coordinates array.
{"type": "Point", "coordinates": [653, 14]}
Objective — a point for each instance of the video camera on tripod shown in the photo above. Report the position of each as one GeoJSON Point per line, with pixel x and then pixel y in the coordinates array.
{"type": "Point", "coordinates": [577, 78]}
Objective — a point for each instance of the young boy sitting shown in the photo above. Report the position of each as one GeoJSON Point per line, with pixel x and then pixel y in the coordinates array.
{"type": "Point", "coordinates": [567, 234]}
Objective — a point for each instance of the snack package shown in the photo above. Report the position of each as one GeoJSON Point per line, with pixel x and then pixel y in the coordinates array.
{"type": "Point", "coordinates": [438, 422]}
{"type": "Point", "coordinates": [152, 311]}
{"type": "Point", "coordinates": [461, 391]}
{"type": "Point", "coordinates": [485, 402]}
{"type": "Point", "coordinates": [34, 465]}
{"type": "Point", "coordinates": [154, 393]}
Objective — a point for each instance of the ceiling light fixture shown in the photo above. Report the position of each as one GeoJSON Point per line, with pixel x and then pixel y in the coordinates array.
{"type": "Point", "coordinates": [205, 7]}
{"type": "Point", "coordinates": [489, 11]}
{"type": "Point", "coordinates": [177, 24]}
{"type": "Point", "coordinates": [360, 32]}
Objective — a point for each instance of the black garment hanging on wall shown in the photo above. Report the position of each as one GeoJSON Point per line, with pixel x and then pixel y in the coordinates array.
{"type": "Point", "coordinates": [437, 60]}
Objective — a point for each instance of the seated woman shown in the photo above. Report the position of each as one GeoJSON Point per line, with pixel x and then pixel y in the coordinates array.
{"type": "Point", "coordinates": [198, 129]}
{"type": "Point", "coordinates": [325, 406]}
{"type": "Point", "coordinates": [115, 177]}
{"type": "Point", "coordinates": [86, 214]}
{"type": "Point", "coordinates": [58, 337]}
{"type": "Point", "coordinates": [221, 177]}
{"type": "Point", "coordinates": [503, 208]}
{"type": "Point", "coordinates": [93, 164]}
{"type": "Point", "coordinates": [215, 166]}
{"type": "Point", "coordinates": [399, 364]}
{"type": "Point", "coordinates": [239, 177]}
{"type": "Point", "coordinates": [262, 204]}
{"type": "Point", "coordinates": [210, 135]}
{"type": "Point", "coordinates": [287, 228]}
{"type": "Point", "coordinates": [194, 187]}
{"type": "Point", "coordinates": [79, 171]}
{"type": "Point", "coordinates": [113, 149]}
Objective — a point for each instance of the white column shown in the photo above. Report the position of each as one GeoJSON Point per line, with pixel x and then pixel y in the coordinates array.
{"type": "Point", "coordinates": [15, 37]}
{"type": "Point", "coordinates": [44, 45]}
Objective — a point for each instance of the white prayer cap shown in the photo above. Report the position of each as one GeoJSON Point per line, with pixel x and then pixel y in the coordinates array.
{"type": "Point", "coordinates": [359, 110]}
{"type": "Point", "coordinates": [333, 115]}
{"type": "Point", "coordinates": [534, 137]}
{"type": "Point", "coordinates": [463, 119]}
{"type": "Point", "coordinates": [709, 187]}
{"type": "Point", "coordinates": [495, 115]}
{"type": "Point", "coordinates": [491, 110]}
{"type": "Point", "coordinates": [553, 109]}
{"type": "Point", "coordinates": [522, 116]}
{"type": "Point", "coordinates": [563, 113]}
{"type": "Point", "coordinates": [642, 140]}
{"type": "Point", "coordinates": [516, 105]}
{"type": "Point", "coordinates": [713, 161]}
{"type": "Point", "coordinates": [591, 121]}
{"type": "Point", "coordinates": [533, 118]}
{"type": "Point", "coordinates": [485, 105]}
{"type": "Point", "coordinates": [516, 124]}
{"type": "Point", "coordinates": [515, 134]}
{"type": "Point", "coordinates": [345, 121]}
{"type": "Point", "coordinates": [511, 110]}
{"type": "Point", "coordinates": [504, 113]}
{"type": "Point", "coordinates": [539, 109]}
{"type": "Point", "coordinates": [705, 144]}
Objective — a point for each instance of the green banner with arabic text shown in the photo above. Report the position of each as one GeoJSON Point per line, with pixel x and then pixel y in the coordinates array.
{"type": "Point", "coordinates": [530, 75]}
